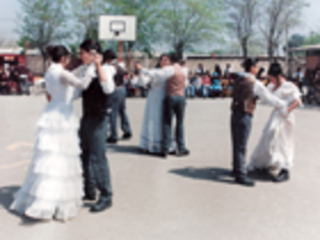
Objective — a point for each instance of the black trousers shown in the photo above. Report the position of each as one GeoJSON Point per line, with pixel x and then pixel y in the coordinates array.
{"type": "Point", "coordinates": [94, 160]}
{"type": "Point", "coordinates": [240, 127]}
{"type": "Point", "coordinates": [173, 106]}
{"type": "Point", "coordinates": [118, 100]}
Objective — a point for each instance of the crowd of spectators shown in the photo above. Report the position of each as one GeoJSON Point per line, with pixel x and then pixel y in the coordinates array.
{"type": "Point", "coordinates": [204, 83]}
{"type": "Point", "coordinates": [15, 80]}
{"type": "Point", "coordinates": [200, 82]}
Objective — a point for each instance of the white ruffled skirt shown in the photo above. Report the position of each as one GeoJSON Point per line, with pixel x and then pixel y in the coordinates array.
{"type": "Point", "coordinates": [276, 146]}
{"type": "Point", "coordinates": [53, 186]}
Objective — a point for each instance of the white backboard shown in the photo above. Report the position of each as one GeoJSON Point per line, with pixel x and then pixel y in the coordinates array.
{"type": "Point", "coordinates": [117, 28]}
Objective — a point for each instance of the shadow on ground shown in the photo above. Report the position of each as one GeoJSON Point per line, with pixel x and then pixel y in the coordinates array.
{"type": "Point", "coordinates": [209, 173]}
{"type": "Point", "coordinates": [6, 198]}
{"type": "Point", "coordinates": [125, 149]}
{"type": "Point", "coordinates": [218, 174]}
{"type": "Point", "coordinates": [132, 150]}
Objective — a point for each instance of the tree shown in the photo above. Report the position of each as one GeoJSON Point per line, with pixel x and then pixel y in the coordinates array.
{"type": "Point", "coordinates": [43, 22]}
{"type": "Point", "coordinates": [277, 18]}
{"type": "Point", "coordinates": [296, 40]}
{"type": "Point", "coordinates": [148, 13]}
{"type": "Point", "coordinates": [243, 15]}
{"type": "Point", "coordinates": [313, 38]}
{"type": "Point", "coordinates": [189, 22]}
{"type": "Point", "coordinates": [86, 15]}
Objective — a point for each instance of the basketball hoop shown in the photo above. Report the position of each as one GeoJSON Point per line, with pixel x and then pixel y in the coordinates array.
{"type": "Point", "coordinates": [117, 28]}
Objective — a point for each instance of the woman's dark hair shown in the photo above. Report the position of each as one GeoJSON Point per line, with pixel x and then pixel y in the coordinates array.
{"type": "Point", "coordinates": [90, 44]}
{"type": "Point", "coordinates": [275, 70]}
{"type": "Point", "coordinates": [57, 52]}
{"type": "Point", "coordinates": [217, 69]}
{"type": "Point", "coordinates": [248, 63]}
{"type": "Point", "coordinates": [160, 58]}
{"type": "Point", "coordinates": [109, 55]}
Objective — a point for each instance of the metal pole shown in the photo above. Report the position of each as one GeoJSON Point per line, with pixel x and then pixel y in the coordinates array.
{"type": "Point", "coordinates": [121, 47]}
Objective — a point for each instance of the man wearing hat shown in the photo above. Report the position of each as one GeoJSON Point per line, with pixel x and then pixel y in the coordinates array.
{"type": "Point", "coordinates": [247, 89]}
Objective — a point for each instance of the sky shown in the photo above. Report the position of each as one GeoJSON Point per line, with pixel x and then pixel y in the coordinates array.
{"type": "Point", "coordinates": [9, 8]}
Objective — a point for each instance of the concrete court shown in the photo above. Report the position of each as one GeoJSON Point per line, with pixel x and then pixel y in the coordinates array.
{"type": "Point", "coordinates": [174, 199]}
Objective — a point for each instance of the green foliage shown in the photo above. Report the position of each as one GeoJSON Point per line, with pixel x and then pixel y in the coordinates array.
{"type": "Point", "coordinates": [86, 15]}
{"type": "Point", "coordinates": [43, 22]}
{"type": "Point", "coordinates": [296, 40]}
{"type": "Point", "coordinates": [188, 22]}
{"type": "Point", "coordinates": [148, 13]}
{"type": "Point", "coordinates": [313, 38]}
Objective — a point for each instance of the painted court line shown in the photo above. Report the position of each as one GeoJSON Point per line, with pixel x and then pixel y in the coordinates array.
{"type": "Point", "coordinates": [16, 146]}
{"type": "Point", "coordinates": [14, 165]}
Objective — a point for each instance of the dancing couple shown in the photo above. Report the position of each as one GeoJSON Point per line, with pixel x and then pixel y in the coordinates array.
{"type": "Point", "coordinates": [275, 151]}
{"type": "Point", "coordinates": [166, 99]}
{"type": "Point", "coordinates": [54, 185]}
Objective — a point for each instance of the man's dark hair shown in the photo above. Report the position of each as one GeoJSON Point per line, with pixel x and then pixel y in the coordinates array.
{"type": "Point", "coordinates": [249, 62]}
{"type": "Point", "coordinates": [174, 58]}
{"type": "Point", "coordinates": [90, 44]}
{"type": "Point", "coordinates": [109, 55]}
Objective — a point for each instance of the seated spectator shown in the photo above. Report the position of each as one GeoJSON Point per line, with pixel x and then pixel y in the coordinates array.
{"type": "Point", "coordinates": [191, 87]}
{"type": "Point", "coordinates": [205, 85]}
{"type": "Point", "coordinates": [200, 70]}
{"type": "Point", "coordinates": [14, 80]}
{"type": "Point", "coordinates": [299, 76]}
{"type": "Point", "coordinates": [25, 80]}
{"type": "Point", "coordinates": [227, 71]}
{"type": "Point", "coordinates": [216, 87]}
{"type": "Point", "coordinates": [3, 83]}
{"type": "Point", "coordinates": [217, 70]}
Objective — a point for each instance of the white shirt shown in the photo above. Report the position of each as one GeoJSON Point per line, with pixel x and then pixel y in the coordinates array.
{"type": "Point", "coordinates": [164, 73]}
{"type": "Point", "coordinates": [82, 82]}
{"type": "Point", "coordinates": [264, 94]}
{"type": "Point", "coordinates": [110, 71]}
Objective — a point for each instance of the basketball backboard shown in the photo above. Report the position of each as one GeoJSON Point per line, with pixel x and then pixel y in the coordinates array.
{"type": "Point", "coordinates": [117, 28]}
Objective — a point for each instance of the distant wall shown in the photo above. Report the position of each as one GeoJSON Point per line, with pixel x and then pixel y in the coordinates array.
{"type": "Point", "coordinates": [34, 62]}
{"type": "Point", "coordinates": [209, 62]}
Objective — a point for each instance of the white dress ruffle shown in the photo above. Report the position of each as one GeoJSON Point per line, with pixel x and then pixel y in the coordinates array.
{"type": "Point", "coordinates": [276, 146]}
{"type": "Point", "coordinates": [53, 186]}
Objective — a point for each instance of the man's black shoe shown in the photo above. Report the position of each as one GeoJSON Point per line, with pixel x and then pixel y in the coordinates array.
{"type": "Point", "coordinates": [183, 153]}
{"type": "Point", "coordinates": [163, 155]}
{"type": "Point", "coordinates": [127, 136]}
{"type": "Point", "coordinates": [101, 205]}
{"type": "Point", "coordinates": [282, 177]}
{"type": "Point", "coordinates": [245, 181]}
{"type": "Point", "coordinates": [172, 152]}
{"type": "Point", "coordinates": [112, 140]}
{"type": "Point", "coordinates": [89, 197]}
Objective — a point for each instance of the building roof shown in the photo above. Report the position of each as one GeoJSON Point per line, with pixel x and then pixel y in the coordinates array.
{"type": "Point", "coordinates": [10, 51]}
{"type": "Point", "coordinates": [306, 48]}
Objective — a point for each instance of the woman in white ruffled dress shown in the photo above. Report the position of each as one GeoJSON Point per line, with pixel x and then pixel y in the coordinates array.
{"type": "Point", "coordinates": [275, 150]}
{"type": "Point", "coordinates": [53, 185]}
